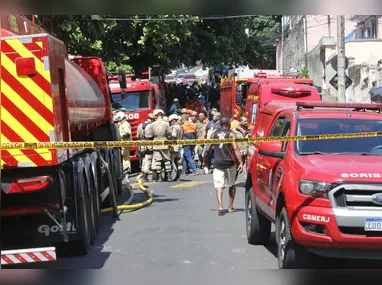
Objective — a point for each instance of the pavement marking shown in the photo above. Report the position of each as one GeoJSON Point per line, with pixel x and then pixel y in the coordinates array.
{"type": "Point", "coordinates": [189, 184]}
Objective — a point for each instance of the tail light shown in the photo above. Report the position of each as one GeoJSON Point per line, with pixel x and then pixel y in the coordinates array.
{"type": "Point", "coordinates": [27, 185]}
{"type": "Point", "coordinates": [291, 92]}
{"type": "Point", "coordinates": [25, 66]}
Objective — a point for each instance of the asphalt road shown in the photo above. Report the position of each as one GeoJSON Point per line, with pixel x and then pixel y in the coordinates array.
{"type": "Point", "coordinates": [180, 230]}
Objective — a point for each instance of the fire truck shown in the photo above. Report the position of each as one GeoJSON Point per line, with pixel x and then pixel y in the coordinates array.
{"type": "Point", "coordinates": [140, 98]}
{"type": "Point", "coordinates": [52, 197]}
{"type": "Point", "coordinates": [238, 92]}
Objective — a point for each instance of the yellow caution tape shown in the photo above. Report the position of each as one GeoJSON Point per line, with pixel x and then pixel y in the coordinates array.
{"type": "Point", "coordinates": [123, 144]}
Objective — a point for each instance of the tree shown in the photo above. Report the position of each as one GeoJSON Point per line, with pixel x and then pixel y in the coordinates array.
{"type": "Point", "coordinates": [167, 44]}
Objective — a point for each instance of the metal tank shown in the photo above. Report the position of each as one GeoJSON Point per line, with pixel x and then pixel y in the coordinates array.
{"type": "Point", "coordinates": [87, 106]}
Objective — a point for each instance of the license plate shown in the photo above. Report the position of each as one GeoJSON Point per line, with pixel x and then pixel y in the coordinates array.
{"type": "Point", "coordinates": [373, 225]}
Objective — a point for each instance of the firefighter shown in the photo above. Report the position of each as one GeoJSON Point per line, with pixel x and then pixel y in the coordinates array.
{"type": "Point", "coordinates": [146, 152]}
{"type": "Point", "coordinates": [242, 131]}
{"type": "Point", "coordinates": [176, 134]}
{"type": "Point", "coordinates": [125, 133]}
{"type": "Point", "coordinates": [160, 130]}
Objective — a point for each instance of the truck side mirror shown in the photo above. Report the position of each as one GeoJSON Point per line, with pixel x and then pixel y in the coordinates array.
{"type": "Point", "coordinates": [273, 149]}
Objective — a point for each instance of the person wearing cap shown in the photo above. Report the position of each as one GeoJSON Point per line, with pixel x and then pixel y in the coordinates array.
{"type": "Point", "coordinates": [125, 134]}
{"type": "Point", "coordinates": [146, 152]}
{"type": "Point", "coordinates": [189, 133]}
{"type": "Point", "coordinates": [160, 131]}
{"type": "Point", "coordinates": [234, 122]}
{"type": "Point", "coordinates": [174, 107]}
{"type": "Point", "coordinates": [176, 134]}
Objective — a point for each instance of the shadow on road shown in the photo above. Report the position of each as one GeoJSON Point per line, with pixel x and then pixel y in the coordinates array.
{"type": "Point", "coordinates": [272, 246]}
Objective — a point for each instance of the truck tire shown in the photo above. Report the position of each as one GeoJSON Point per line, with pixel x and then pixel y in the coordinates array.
{"type": "Point", "coordinates": [258, 227]}
{"type": "Point", "coordinates": [84, 221]}
{"type": "Point", "coordinates": [290, 255]}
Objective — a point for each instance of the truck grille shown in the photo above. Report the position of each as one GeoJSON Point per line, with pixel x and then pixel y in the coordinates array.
{"type": "Point", "coordinates": [351, 196]}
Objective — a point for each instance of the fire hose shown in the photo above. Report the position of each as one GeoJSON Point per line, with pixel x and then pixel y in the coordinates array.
{"type": "Point", "coordinates": [125, 207]}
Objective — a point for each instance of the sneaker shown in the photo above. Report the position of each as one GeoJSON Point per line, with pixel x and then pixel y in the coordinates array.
{"type": "Point", "coordinates": [195, 173]}
{"type": "Point", "coordinates": [206, 171]}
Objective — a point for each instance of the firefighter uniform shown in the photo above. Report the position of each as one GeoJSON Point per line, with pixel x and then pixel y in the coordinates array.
{"type": "Point", "coordinates": [176, 134]}
{"type": "Point", "coordinates": [160, 130]}
{"type": "Point", "coordinates": [125, 133]}
{"type": "Point", "coordinates": [146, 152]}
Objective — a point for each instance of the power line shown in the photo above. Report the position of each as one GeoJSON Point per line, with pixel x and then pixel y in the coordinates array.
{"type": "Point", "coordinates": [99, 18]}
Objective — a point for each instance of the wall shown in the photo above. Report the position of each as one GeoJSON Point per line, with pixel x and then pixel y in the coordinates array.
{"type": "Point", "coordinates": [364, 50]}
{"type": "Point", "coordinates": [317, 58]}
{"type": "Point", "coordinates": [317, 26]}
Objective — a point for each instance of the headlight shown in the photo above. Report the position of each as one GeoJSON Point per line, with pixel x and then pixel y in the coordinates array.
{"type": "Point", "coordinates": [315, 188]}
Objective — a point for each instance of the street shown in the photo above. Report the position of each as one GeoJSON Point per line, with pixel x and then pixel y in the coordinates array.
{"type": "Point", "coordinates": [180, 230]}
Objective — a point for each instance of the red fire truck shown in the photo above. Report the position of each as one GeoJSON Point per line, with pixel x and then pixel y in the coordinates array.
{"type": "Point", "coordinates": [51, 196]}
{"type": "Point", "coordinates": [140, 99]}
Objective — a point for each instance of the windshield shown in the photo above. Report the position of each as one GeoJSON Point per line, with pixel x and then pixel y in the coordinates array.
{"type": "Point", "coordinates": [180, 76]}
{"type": "Point", "coordinates": [169, 77]}
{"type": "Point", "coordinates": [189, 77]}
{"type": "Point", "coordinates": [134, 101]}
{"type": "Point", "coordinates": [365, 146]}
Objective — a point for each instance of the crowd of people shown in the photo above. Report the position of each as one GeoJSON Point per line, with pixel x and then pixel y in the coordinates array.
{"type": "Point", "coordinates": [195, 118]}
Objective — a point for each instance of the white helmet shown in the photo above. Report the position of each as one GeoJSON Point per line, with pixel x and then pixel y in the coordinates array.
{"type": "Point", "coordinates": [176, 100]}
{"type": "Point", "coordinates": [173, 117]}
{"type": "Point", "coordinates": [120, 116]}
{"type": "Point", "coordinates": [158, 111]}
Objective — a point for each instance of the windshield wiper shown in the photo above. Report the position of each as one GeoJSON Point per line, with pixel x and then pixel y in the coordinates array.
{"type": "Point", "coordinates": [310, 152]}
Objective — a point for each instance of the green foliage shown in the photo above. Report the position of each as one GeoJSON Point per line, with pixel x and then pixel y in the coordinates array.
{"type": "Point", "coordinates": [138, 45]}
{"type": "Point", "coordinates": [304, 73]}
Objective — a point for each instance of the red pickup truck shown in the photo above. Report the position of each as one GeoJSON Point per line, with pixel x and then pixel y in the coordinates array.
{"type": "Point", "coordinates": [324, 196]}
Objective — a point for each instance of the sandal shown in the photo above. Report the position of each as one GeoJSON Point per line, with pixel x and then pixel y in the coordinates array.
{"type": "Point", "coordinates": [221, 212]}
{"type": "Point", "coordinates": [233, 210]}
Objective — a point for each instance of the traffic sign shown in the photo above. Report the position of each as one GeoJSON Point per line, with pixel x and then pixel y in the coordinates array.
{"type": "Point", "coordinates": [334, 62]}
{"type": "Point", "coordinates": [334, 81]}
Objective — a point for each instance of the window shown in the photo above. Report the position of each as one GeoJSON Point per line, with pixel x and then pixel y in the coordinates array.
{"type": "Point", "coordinates": [277, 127]}
{"type": "Point", "coordinates": [355, 146]}
{"type": "Point", "coordinates": [134, 101]}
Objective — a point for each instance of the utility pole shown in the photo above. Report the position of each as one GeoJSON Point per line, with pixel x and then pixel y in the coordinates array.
{"type": "Point", "coordinates": [329, 27]}
{"type": "Point", "coordinates": [341, 58]}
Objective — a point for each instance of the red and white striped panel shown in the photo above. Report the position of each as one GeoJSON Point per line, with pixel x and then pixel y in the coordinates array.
{"type": "Point", "coordinates": [28, 255]}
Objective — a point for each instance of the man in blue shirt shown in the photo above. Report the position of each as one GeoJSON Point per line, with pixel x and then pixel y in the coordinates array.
{"type": "Point", "coordinates": [175, 107]}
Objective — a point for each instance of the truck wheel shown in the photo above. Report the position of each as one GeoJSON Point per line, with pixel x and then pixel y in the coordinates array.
{"type": "Point", "coordinates": [290, 254]}
{"type": "Point", "coordinates": [84, 222]}
{"type": "Point", "coordinates": [258, 226]}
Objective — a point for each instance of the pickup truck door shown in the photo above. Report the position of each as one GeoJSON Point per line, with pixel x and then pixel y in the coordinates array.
{"type": "Point", "coordinates": [268, 167]}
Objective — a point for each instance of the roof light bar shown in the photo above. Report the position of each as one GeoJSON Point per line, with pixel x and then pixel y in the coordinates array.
{"type": "Point", "coordinates": [291, 92]}
{"type": "Point", "coordinates": [321, 104]}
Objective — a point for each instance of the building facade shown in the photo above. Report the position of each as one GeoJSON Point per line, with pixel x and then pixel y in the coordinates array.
{"type": "Point", "coordinates": [301, 33]}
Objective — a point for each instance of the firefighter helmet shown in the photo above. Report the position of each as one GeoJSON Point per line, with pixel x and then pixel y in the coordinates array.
{"type": "Point", "coordinates": [120, 116]}
{"type": "Point", "coordinates": [158, 111]}
{"type": "Point", "coordinates": [173, 117]}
